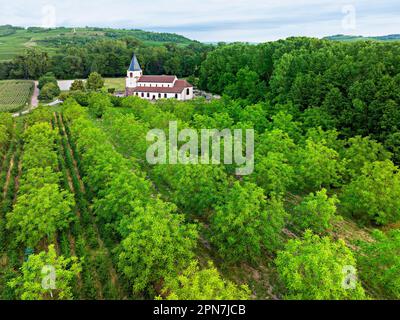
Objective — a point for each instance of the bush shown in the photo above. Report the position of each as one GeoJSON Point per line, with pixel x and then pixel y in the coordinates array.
{"type": "Point", "coordinates": [47, 78]}
{"type": "Point", "coordinates": [316, 212]}
{"type": "Point", "coordinates": [374, 196]}
{"type": "Point", "coordinates": [314, 268]}
{"type": "Point", "coordinates": [49, 92]}
{"type": "Point", "coordinates": [77, 85]}
{"type": "Point", "coordinates": [95, 81]}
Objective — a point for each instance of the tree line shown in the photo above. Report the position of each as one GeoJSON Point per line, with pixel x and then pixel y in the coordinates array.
{"type": "Point", "coordinates": [110, 58]}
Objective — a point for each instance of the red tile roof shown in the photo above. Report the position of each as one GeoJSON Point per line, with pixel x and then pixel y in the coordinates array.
{"type": "Point", "coordinates": [159, 79]}
{"type": "Point", "coordinates": [159, 89]}
{"type": "Point", "coordinates": [178, 87]}
{"type": "Point", "coordinates": [182, 83]}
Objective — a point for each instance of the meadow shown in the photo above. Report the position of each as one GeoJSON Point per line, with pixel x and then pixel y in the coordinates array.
{"type": "Point", "coordinates": [15, 94]}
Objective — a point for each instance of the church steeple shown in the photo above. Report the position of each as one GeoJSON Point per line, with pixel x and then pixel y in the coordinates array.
{"type": "Point", "coordinates": [134, 66]}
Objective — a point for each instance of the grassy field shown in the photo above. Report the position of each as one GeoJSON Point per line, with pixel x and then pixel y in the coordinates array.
{"type": "Point", "coordinates": [15, 40]}
{"type": "Point", "coordinates": [15, 94]}
{"type": "Point", "coordinates": [117, 83]}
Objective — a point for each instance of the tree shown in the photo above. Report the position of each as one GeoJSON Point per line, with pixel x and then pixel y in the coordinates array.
{"type": "Point", "coordinates": [49, 91]}
{"type": "Point", "coordinates": [379, 262]}
{"type": "Point", "coordinates": [245, 223]}
{"type": "Point", "coordinates": [375, 194]}
{"type": "Point", "coordinates": [45, 79]}
{"type": "Point", "coordinates": [98, 104]}
{"type": "Point", "coordinates": [273, 173]}
{"type": "Point", "coordinates": [95, 81]}
{"type": "Point", "coordinates": [205, 284]}
{"type": "Point", "coordinates": [314, 268]}
{"type": "Point", "coordinates": [316, 212]}
{"type": "Point", "coordinates": [29, 285]}
{"type": "Point", "coordinates": [158, 244]}
{"type": "Point", "coordinates": [361, 150]}
{"type": "Point", "coordinates": [40, 213]}
{"type": "Point", "coordinates": [317, 166]}
{"type": "Point", "coordinates": [195, 188]}
{"type": "Point", "coordinates": [77, 85]}
{"type": "Point", "coordinates": [31, 64]}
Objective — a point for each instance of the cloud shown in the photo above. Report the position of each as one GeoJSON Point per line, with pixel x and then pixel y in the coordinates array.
{"type": "Point", "coordinates": [214, 20]}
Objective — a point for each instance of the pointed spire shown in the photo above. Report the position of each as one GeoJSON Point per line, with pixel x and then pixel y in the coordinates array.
{"type": "Point", "coordinates": [135, 66]}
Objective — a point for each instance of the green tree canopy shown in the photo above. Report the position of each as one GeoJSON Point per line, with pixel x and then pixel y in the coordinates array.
{"type": "Point", "coordinates": [32, 283]}
{"type": "Point", "coordinates": [314, 268]}
{"type": "Point", "coordinates": [202, 284]}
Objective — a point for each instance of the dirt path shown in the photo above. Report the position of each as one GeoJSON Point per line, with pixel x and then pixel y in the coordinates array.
{"type": "Point", "coordinates": [35, 96]}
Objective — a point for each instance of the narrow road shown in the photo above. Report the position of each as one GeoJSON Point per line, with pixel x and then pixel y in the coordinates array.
{"type": "Point", "coordinates": [35, 96]}
{"type": "Point", "coordinates": [34, 102]}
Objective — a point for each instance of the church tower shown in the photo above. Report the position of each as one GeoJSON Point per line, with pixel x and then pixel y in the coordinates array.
{"type": "Point", "coordinates": [134, 73]}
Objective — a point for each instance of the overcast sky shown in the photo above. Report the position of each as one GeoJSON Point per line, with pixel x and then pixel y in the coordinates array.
{"type": "Point", "coordinates": [214, 20]}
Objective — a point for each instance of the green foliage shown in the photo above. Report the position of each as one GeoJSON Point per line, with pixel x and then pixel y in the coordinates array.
{"type": "Point", "coordinates": [95, 81]}
{"type": "Point", "coordinates": [40, 213]}
{"type": "Point", "coordinates": [316, 212]}
{"type": "Point", "coordinates": [31, 64]}
{"type": "Point", "coordinates": [205, 284]}
{"type": "Point", "coordinates": [360, 151]}
{"type": "Point", "coordinates": [98, 104]}
{"type": "Point", "coordinates": [375, 194]}
{"type": "Point", "coordinates": [317, 166]}
{"type": "Point", "coordinates": [312, 268]}
{"type": "Point", "coordinates": [49, 91]}
{"type": "Point", "coordinates": [195, 188]}
{"type": "Point", "coordinates": [158, 245]}
{"type": "Point", "coordinates": [245, 223]}
{"type": "Point", "coordinates": [273, 173]}
{"type": "Point", "coordinates": [77, 85]}
{"type": "Point", "coordinates": [29, 285]}
{"type": "Point", "coordinates": [379, 263]}
{"type": "Point", "coordinates": [45, 79]}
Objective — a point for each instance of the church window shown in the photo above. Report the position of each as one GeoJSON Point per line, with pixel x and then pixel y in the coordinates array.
{"type": "Point", "coordinates": [176, 96]}
{"type": "Point", "coordinates": [187, 91]}
{"type": "Point", "coordinates": [165, 95]}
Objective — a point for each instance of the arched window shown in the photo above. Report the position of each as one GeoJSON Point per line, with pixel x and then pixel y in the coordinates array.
{"type": "Point", "coordinates": [142, 95]}
{"type": "Point", "coordinates": [176, 96]}
{"type": "Point", "coordinates": [187, 91]}
{"type": "Point", "coordinates": [165, 95]}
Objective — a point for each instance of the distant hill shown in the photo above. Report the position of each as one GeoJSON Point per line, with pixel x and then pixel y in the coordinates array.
{"type": "Point", "coordinates": [342, 37]}
{"type": "Point", "coordinates": [14, 40]}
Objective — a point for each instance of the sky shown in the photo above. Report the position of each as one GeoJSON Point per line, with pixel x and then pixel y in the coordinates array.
{"type": "Point", "coordinates": [214, 20]}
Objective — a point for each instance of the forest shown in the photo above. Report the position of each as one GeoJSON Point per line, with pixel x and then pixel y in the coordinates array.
{"type": "Point", "coordinates": [317, 220]}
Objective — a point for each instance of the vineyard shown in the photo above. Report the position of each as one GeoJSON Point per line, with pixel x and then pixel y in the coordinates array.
{"type": "Point", "coordinates": [78, 195]}
{"type": "Point", "coordinates": [15, 95]}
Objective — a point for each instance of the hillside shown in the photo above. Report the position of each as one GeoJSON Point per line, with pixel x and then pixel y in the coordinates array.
{"type": "Point", "coordinates": [14, 40]}
{"type": "Point", "coordinates": [342, 37]}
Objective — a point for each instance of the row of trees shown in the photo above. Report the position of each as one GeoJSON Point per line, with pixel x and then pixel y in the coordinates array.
{"type": "Point", "coordinates": [6, 128]}
{"type": "Point", "coordinates": [42, 207]}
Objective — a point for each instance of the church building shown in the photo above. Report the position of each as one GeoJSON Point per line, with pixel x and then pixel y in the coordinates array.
{"type": "Point", "coordinates": [155, 87]}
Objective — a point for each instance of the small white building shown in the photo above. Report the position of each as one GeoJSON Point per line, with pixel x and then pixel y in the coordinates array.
{"type": "Point", "coordinates": [155, 87]}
